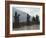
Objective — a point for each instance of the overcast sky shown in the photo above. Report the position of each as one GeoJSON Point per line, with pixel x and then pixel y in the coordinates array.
{"type": "Point", "coordinates": [30, 11]}
{"type": "Point", "coordinates": [23, 11]}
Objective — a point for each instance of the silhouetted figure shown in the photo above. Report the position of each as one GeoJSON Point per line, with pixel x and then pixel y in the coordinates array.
{"type": "Point", "coordinates": [15, 17]}
{"type": "Point", "coordinates": [18, 19]}
{"type": "Point", "coordinates": [16, 23]}
{"type": "Point", "coordinates": [28, 19]}
{"type": "Point", "coordinates": [33, 20]}
{"type": "Point", "coordinates": [37, 19]}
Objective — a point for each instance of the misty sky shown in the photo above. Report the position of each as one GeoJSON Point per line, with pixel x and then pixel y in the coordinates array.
{"type": "Point", "coordinates": [23, 11]}
{"type": "Point", "coordinates": [28, 10]}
